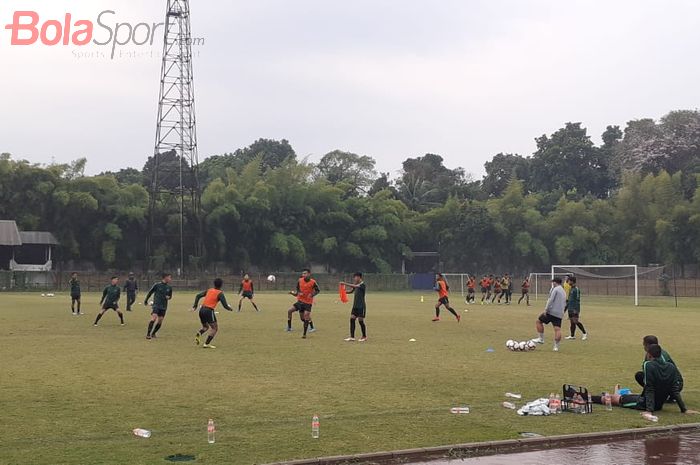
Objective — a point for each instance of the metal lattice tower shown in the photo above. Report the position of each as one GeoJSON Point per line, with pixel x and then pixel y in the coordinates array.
{"type": "Point", "coordinates": [175, 167]}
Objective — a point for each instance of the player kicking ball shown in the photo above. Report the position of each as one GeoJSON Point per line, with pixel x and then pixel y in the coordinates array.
{"type": "Point", "coordinates": [443, 291]}
{"type": "Point", "coordinates": [359, 306]}
{"type": "Point", "coordinates": [553, 313]}
{"type": "Point", "coordinates": [207, 312]}
{"type": "Point", "coordinates": [307, 289]}
{"type": "Point", "coordinates": [110, 300]}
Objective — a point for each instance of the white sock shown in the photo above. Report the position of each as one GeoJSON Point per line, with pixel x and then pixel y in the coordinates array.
{"type": "Point", "coordinates": [541, 336]}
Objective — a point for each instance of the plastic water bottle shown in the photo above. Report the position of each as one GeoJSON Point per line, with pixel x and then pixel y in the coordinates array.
{"type": "Point", "coordinates": [650, 417]}
{"type": "Point", "coordinates": [509, 405]}
{"type": "Point", "coordinates": [142, 433]}
{"type": "Point", "coordinates": [315, 427]}
{"type": "Point", "coordinates": [460, 410]}
{"type": "Point", "coordinates": [557, 399]}
{"type": "Point", "coordinates": [608, 402]}
{"type": "Point", "coordinates": [211, 432]}
{"type": "Point", "coordinates": [514, 396]}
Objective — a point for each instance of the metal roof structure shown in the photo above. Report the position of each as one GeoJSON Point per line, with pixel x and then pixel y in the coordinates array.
{"type": "Point", "coordinates": [38, 237]}
{"type": "Point", "coordinates": [9, 234]}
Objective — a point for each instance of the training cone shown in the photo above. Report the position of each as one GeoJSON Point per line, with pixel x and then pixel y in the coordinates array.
{"type": "Point", "coordinates": [422, 299]}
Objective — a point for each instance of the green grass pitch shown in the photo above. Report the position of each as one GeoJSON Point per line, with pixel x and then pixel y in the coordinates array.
{"type": "Point", "coordinates": [71, 393]}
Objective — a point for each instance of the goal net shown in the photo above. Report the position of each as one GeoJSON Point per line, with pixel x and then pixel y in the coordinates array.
{"type": "Point", "coordinates": [457, 282]}
{"type": "Point", "coordinates": [541, 283]}
{"type": "Point", "coordinates": [610, 279]}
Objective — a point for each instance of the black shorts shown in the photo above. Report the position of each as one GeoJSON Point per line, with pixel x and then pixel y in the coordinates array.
{"type": "Point", "coordinates": [484, 290]}
{"type": "Point", "coordinates": [444, 301]}
{"type": "Point", "coordinates": [247, 295]}
{"type": "Point", "coordinates": [114, 307]}
{"type": "Point", "coordinates": [75, 296]}
{"type": "Point", "coordinates": [207, 316]}
{"type": "Point", "coordinates": [159, 311]}
{"type": "Point", "coordinates": [633, 401]}
{"type": "Point", "coordinates": [358, 312]}
{"type": "Point", "coordinates": [470, 291]}
{"type": "Point", "coordinates": [574, 313]}
{"type": "Point", "coordinates": [302, 307]}
{"type": "Point", "coordinates": [546, 318]}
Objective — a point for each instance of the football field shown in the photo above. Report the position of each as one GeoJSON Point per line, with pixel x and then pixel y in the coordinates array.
{"type": "Point", "coordinates": [71, 393]}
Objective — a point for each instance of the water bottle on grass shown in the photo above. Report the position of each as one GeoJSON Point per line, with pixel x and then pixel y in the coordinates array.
{"type": "Point", "coordinates": [608, 402]}
{"type": "Point", "coordinates": [211, 432]}
{"type": "Point", "coordinates": [315, 427]}
{"type": "Point", "coordinates": [142, 433]}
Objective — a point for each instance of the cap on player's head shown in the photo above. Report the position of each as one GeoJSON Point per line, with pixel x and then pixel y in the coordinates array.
{"type": "Point", "coordinates": [649, 340]}
{"type": "Point", "coordinates": [557, 280]}
{"type": "Point", "coordinates": [654, 350]}
{"type": "Point", "coordinates": [218, 283]}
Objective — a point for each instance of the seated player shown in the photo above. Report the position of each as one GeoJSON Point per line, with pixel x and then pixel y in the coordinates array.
{"type": "Point", "coordinates": [660, 383]}
{"type": "Point", "coordinates": [247, 291]}
{"type": "Point", "coordinates": [646, 342]}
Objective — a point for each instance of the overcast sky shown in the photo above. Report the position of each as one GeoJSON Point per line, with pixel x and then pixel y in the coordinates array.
{"type": "Point", "coordinates": [392, 79]}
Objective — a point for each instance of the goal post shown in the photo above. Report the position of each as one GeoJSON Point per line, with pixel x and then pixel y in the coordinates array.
{"type": "Point", "coordinates": [540, 283]}
{"type": "Point", "coordinates": [453, 278]}
{"type": "Point", "coordinates": [627, 271]}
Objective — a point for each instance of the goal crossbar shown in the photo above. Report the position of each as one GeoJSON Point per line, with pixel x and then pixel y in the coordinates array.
{"type": "Point", "coordinates": [634, 268]}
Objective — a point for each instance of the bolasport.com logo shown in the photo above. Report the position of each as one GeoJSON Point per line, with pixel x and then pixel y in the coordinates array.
{"type": "Point", "coordinates": [116, 39]}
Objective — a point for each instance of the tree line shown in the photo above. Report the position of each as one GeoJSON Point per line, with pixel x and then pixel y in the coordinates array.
{"type": "Point", "coordinates": [634, 199]}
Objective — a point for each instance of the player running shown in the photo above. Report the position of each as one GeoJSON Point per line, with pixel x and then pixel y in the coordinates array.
{"type": "Point", "coordinates": [162, 293]}
{"type": "Point", "coordinates": [573, 306]}
{"type": "Point", "coordinates": [74, 284]}
{"type": "Point", "coordinates": [131, 286]}
{"type": "Point", "coordinates": [525, 290]}
{"type": "Point", "coordinates": [359, 306]}
{"type": "Point", "coordinates": [307, 289]}
{"type": "Point", "coordinates": [247, 291]}
{"type": "Point", "coordinates": [471, 290]}
{"type": "Point", "coordinates": [443, 291]}
{"type": "Point", "coordinates": [497, 290]}
{"type": "Point", "coordinates": [110, 300]}
{"type": "Point", "coordinates": [207, 312]}
{"type": "Point", "coordinates": [485, 285]}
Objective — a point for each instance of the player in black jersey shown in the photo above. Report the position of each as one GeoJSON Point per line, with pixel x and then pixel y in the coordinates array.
{"type": "Point", "coordinates": [359, 306]}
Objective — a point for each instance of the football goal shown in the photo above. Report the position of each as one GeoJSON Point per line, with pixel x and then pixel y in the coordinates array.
{"type": "Point", "coordinates": [626, 275]}
{"type": "Point", "coordinates": [541, 283]}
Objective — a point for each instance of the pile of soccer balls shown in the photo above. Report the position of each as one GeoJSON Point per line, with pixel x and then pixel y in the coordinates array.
{"type": "Point", "coordinates": [524, 346]}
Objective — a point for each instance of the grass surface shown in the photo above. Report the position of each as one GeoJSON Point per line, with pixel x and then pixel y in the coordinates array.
{"type": "Point", "coordinates": [71, 393]}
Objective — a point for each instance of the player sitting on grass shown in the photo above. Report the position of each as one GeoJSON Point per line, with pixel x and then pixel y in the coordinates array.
{"type": "Point", "coordinates": [207, 313]}
{"type": "Point", "coordinates": [661, 381]}
{"type": "Point", "coordinates": [110, 300]}
{"type": "Point", "coordinates": [359, 306]}
{"type": "Point", "coordinates": [443, 291]}
{"type": "Point", "coordinates": [247, 291]}
{"type": "Point", "coordinates": [553, 313]}
{"type": "Point", "coordinates": [162, 293]}
{"type": "Point", "coordinates": [648, 341]}
{"type": "Point", "coordinates": [74, 294]}
{"type": "Point", "coordinates": [573, 307]}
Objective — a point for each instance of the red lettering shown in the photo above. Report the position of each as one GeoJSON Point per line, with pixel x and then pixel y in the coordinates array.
{"type": "Point", "coordinates": [66, 29]}
{"type": "Point", "coordinates": [58, 27]}
{"type": "Point", "coordinates": [17, 26]}
{"type": "Point", "coordinates": [87, 33]}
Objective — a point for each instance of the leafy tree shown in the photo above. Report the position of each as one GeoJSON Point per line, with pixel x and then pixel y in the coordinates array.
{"type": "Point", "coordinates": [503, 168]}
{"type": "Point", "coordinates": [353, 173]}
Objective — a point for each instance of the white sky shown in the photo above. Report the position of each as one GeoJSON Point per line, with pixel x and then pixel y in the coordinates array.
{"type": "Point", "coordinates": [392, 79]}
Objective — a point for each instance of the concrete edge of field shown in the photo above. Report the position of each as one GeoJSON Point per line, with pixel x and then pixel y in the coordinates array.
{"type": "Point", "coordinates": [508, 446]}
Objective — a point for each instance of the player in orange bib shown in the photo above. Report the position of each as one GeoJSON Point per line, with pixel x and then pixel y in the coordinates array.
{"type": "Point", "coordinates": [307, 289]}
{"type": "Point", "coordinates": [207, 314]}
{"type": "Point", "coordinates": [443, 291]}
{"type": "Point", "coordinates": [247, 291]}
{"type": "Point", "coordinates": [471, 289]}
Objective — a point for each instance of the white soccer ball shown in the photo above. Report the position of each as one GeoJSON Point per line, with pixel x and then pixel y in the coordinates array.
{"type": "Point", "coordinates": [522, 345]}
{"type": "Point", "coordinates": [509, 344]}
{"type": "Point", "coordinates": [531, 345]}
{"type": "Point", "coordinates": [271, 278]}
{"type": "Point", "coordinates": [515, 346]}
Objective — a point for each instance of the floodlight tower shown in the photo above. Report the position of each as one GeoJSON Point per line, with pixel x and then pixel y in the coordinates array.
{"type": "Point", "coordinates": [175, 158]}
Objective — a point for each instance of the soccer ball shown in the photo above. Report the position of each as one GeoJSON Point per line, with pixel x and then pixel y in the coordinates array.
{"type": "Point", "coordinates": [509, 344]}
{"type": "Point", "coordinates": [271, 278]}
{"type": "Point", "coordinates": [531, 345]}
{"type": "Point", "coordinates": [522, 345]}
